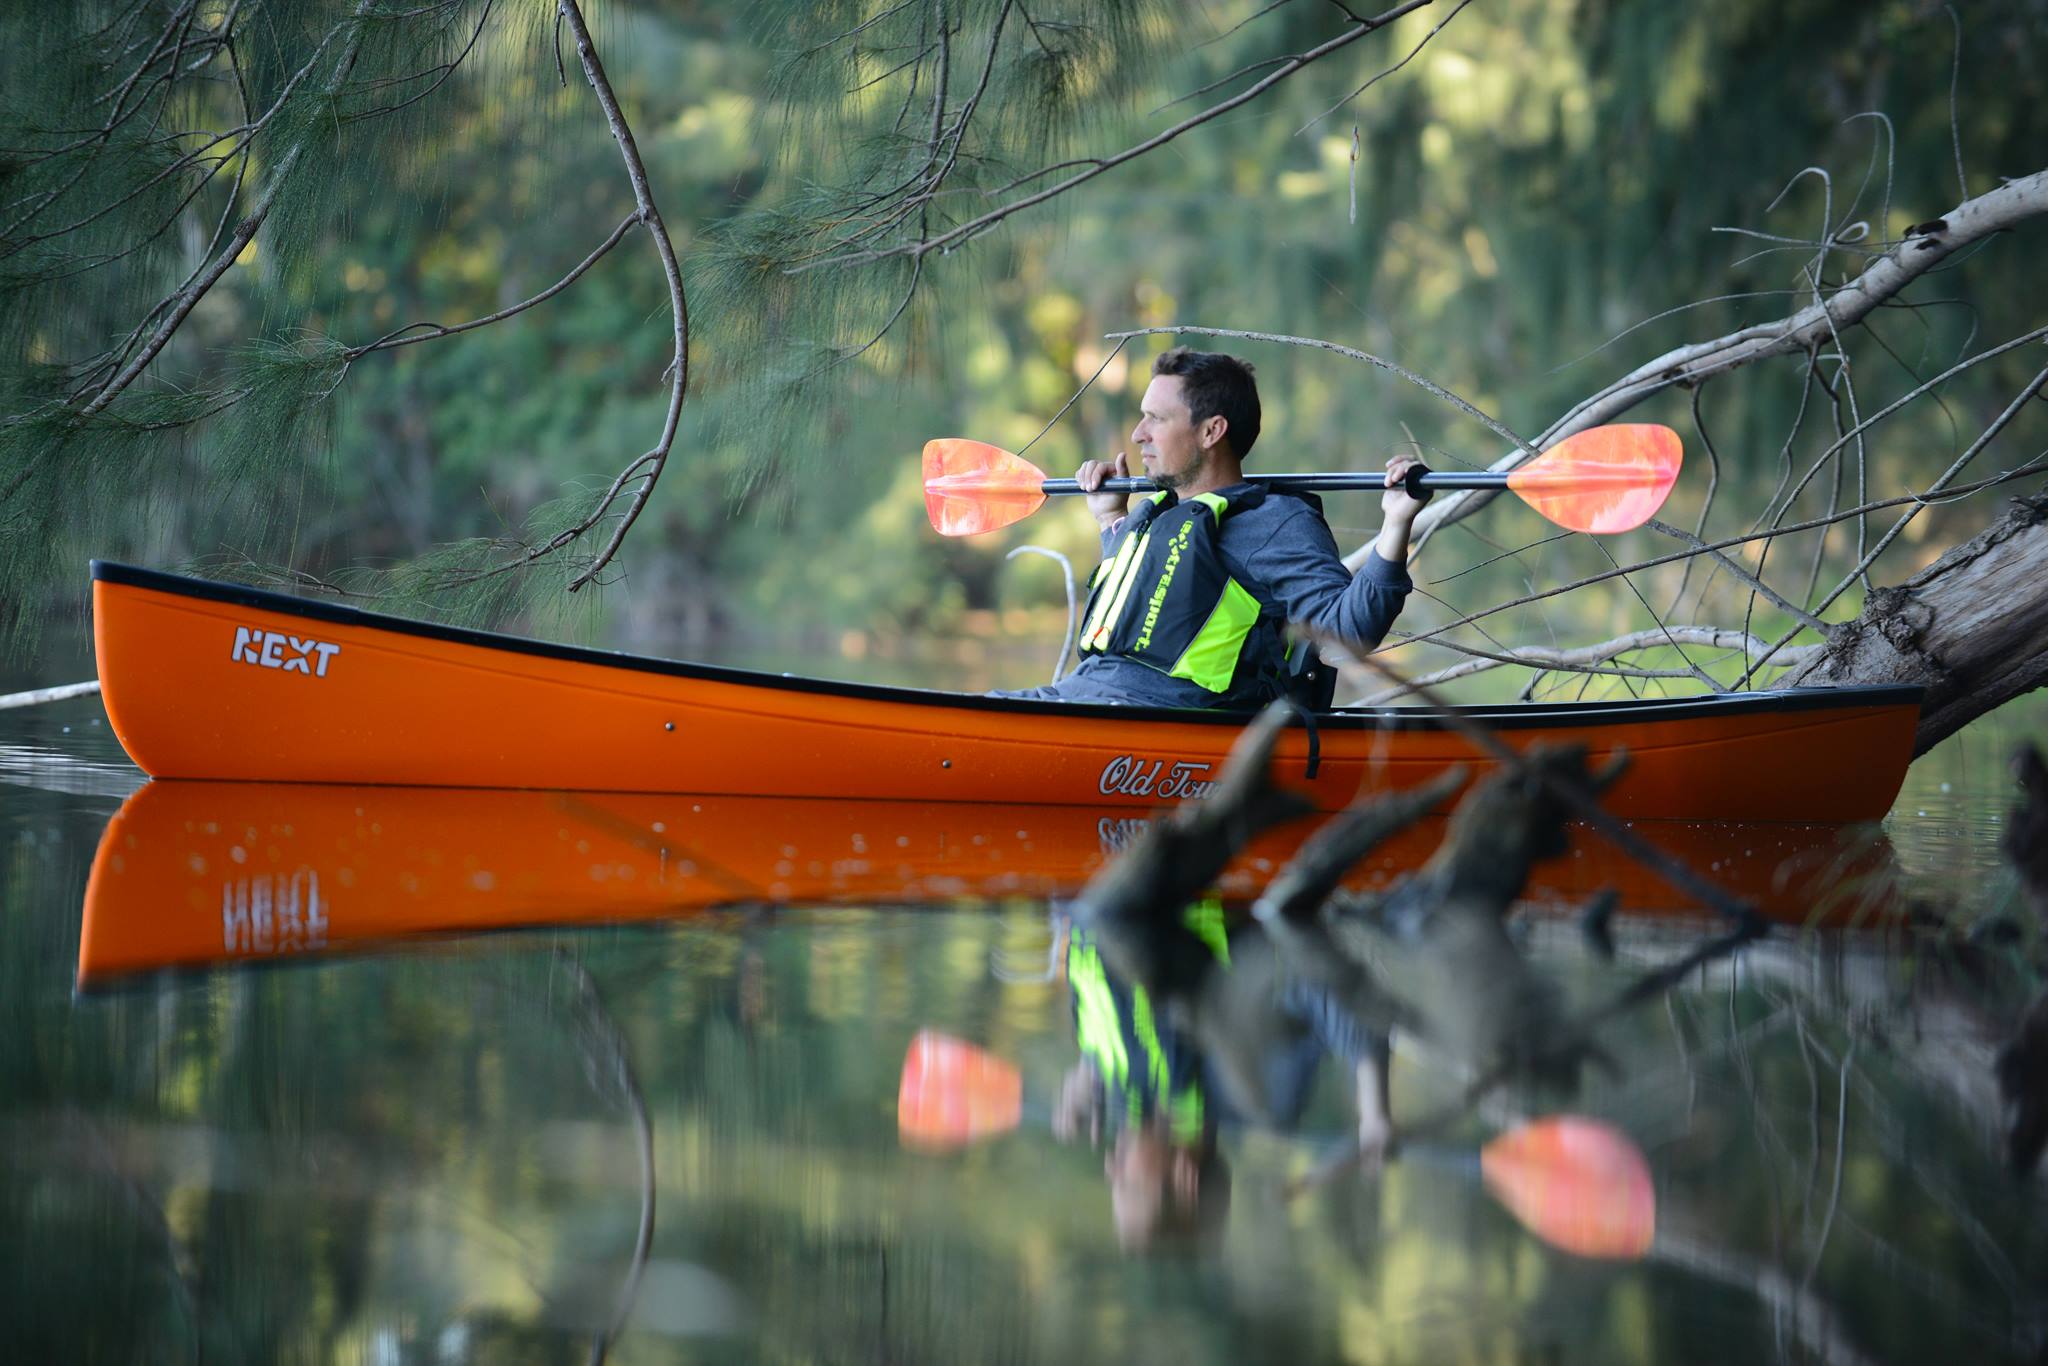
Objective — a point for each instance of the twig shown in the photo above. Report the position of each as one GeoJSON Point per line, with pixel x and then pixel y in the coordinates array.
{"type": "Point", "coordinates": [419, 332]}
{"type": "Point", "coordinates": [1492, 424]}
{"type": "Point", "coordinates": [37, 696]}
{"type": "Point", "coordinates": [1581, 659]}
{"type": "Point", "coordinates": [1379, 76]}
{"type": "Point", "coordinates": [1969, 222]}
{"type": "Point", "coordinates": [650, 217]}
{"type": "Point", "coordinates": [2031, 468]}
{"type": "Point", "coordinates": [973, 227]}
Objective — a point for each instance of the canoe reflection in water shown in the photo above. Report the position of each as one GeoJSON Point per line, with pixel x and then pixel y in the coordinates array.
{"type": "Point", "coordinates": [194, 873]}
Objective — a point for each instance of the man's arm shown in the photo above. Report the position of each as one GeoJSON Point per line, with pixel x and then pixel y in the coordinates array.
{"type": "Point", "coordinates": [1300, 567]}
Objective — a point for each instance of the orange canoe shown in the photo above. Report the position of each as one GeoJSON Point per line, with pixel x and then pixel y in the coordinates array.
{"type": "Point", "coordinates": [189, 874]}
{"type": "Point", "coordinates": [213, 680]}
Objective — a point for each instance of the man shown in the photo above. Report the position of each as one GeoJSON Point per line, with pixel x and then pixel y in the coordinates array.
{"type": "Point", "coordinates": [1198, 582]}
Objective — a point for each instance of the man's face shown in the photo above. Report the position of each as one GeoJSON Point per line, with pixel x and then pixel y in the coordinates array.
{"type": "Point", "coordinates": [1168, 440]}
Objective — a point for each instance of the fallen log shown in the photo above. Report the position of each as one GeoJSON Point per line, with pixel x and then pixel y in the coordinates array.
{"type": "Point", "coordinates": [1972, 627]}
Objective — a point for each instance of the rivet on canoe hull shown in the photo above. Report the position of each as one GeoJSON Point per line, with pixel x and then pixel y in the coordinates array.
{"type": "Point", "coordinates": [945, 763]}
{"type": "Point", "coordinates": [668, 725]}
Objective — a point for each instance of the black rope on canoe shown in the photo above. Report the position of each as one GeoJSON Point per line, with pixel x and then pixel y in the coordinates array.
{"type": "Point", "coordinates": [1315, 739]}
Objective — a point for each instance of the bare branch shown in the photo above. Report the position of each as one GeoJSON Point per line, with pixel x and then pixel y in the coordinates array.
{"type": "Point", "coordinates": [1381, 75]}
{"type": "Point", "coordinates": [1971, 222]}
{"type": "Point", "coordinates": [1581, 659]}
{"type": "Point", "coordinates": [1492, 424]}
{"type": "Point", "coordinates": [419, 332]}
{"type": "Point", "coordinates": [2033, 467]}
{"type": "Point", "coordinates": [1778, 600]}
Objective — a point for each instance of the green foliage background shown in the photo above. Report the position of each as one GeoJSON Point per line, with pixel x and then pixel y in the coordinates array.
{"type": "Point", "coordinates": [1541, 178]}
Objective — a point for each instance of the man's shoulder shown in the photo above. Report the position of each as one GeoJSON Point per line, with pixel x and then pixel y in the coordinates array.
{"type": "Point", "coordinates": [1278, 522]}
{"type": "Point", "coordinates": [1271, 508]}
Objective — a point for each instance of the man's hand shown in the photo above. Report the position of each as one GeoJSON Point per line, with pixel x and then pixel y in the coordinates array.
{"type": "Point", "coordinates": [1396, 503]}
{"type": "Point", "coordinates": [1107, 507]}
{"type": "Point", "coordinates": [1400, 510]}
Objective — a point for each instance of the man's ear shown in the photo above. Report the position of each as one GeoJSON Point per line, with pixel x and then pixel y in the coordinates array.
{"type": "Point", "coordinates": [1213, 430]}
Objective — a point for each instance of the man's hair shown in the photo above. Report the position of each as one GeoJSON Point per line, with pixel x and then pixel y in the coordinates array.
{"type": "Point", "coordinates": [1216, 385]}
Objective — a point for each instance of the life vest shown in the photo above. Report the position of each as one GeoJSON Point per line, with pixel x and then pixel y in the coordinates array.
{"type": "Point", "coordinates": [1167, 600]}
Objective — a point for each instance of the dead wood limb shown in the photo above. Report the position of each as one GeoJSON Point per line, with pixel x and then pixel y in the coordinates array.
{"type": "Point", "coordinates": [1936, 241]}
{"type": "Point", "coordinates": [1812, 1319]}
{"type": "Point", "coordinates": [1436, 947]}
{"type": "Point", "coordinates": [1325, 857]}
{"type": "Point", "coordinates": [1182, 852]}
{"type": "Point", "coordinates": [1292, 908]}
{"type": "Point", "coordinates": [1585, 806]}
{"type": "Point", "coordinates": [1722, 561]}
{"type": "Point", "coordinates": [1972, 627]}
{"type": "Point", "coordinates": [1486, 420]}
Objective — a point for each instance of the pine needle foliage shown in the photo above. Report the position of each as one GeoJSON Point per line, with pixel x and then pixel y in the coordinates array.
{"type": "Point", "coordinates": [896, 123]}
{"type": "Point", "coordinates": [169, 173]}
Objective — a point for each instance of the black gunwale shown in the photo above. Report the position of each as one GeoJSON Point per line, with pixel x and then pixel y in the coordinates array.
{"type": "Point", "coordinates": [1499, 717]}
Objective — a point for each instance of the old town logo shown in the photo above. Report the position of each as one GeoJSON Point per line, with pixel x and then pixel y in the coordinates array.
{"type": "Point", "coordinates": [1128, 775]}
{"type": "Point", "coordinates": [276, 650]}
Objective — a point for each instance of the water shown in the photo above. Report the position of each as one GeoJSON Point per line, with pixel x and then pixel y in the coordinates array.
{"type": "Point", "coordinates": [446, 1151]}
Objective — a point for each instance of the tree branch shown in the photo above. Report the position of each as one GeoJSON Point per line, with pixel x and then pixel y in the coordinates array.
{"type": "Point", "coordinates": [1584, 658]}
{"type": "Point", "coordinates": [1970, 222]}
{"type": "Point", "coordinates": [419, 332]}
{"type": "Point", "coordinates": [672, 271]}
{"type": "Point", "coordinates": [973, 227]}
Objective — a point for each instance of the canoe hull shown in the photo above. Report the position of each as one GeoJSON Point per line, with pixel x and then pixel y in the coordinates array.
{"type": "Point", "coordinates": [216, 681]}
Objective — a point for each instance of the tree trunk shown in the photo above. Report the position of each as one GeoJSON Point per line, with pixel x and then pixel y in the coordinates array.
{"type": "Point", "coordinates": [1972, 627]}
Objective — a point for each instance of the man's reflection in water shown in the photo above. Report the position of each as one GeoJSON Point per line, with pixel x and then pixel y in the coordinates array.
{"type": "Point", "coordinates": [1183, 1027]}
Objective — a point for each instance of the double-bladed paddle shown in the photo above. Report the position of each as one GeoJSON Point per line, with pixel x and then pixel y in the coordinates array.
{"type": "Point", "coordinates": [1604, 480]}
{"type": "Point", "coordinates": [1576, 1183]}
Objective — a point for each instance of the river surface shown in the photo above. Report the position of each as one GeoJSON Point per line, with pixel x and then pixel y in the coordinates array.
{"type": "Point", "coordinates": [261, 1130]}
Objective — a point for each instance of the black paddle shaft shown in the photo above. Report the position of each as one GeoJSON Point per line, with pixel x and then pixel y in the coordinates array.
{"type": "Point", "coordinates": [1422, 481]}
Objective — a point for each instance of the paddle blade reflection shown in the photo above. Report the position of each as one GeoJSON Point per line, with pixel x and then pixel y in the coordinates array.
{"type": "Point", "coordinates": [1576, 1184]}
{"type": "Point", "coordinates": [953, 1093]}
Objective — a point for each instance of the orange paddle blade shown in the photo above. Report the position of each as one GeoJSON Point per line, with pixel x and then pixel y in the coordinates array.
{"type": "Point", "coordinates": [1603, 480]}
{"type": "Point", "coordinates": [971, 487]}
{"type": "Point", "coordinates": [1575, 1183]}
{"type": "Point", "coordinates": [953, 1093]}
